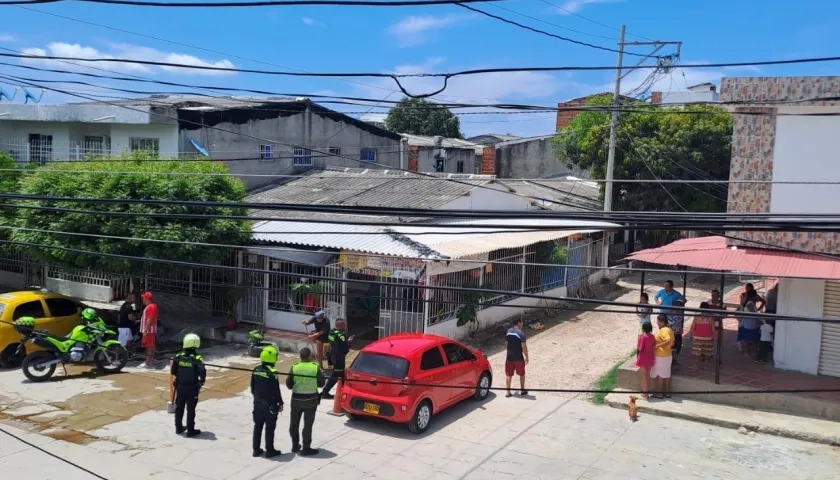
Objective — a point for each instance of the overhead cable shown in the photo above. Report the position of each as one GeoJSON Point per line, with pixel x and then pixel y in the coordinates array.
{"type": "Point", "coordinates": [258, 3]}
{"type": "Point", "coordinates": [479, 291]}
{"type": "Point", "coordinates": [543, 32]}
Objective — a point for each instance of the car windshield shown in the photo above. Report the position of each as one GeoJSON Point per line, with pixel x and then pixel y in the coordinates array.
{"type": "Point", "coordinates": [378, 365]}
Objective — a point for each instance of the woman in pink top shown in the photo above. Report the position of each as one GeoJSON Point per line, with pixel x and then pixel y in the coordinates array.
{"type": "Point", "coordinates": [703, 336]}
{"type": "Point", "coordinates": [644, 355]}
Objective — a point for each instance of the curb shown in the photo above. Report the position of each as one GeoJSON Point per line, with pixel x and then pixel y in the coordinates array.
{"type": "Point", "coordinates": [832, 441]}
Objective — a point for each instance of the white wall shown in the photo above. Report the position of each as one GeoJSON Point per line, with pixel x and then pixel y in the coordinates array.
{"type": "Point", "coordinates": [806, 150]}
{"type": "Point", "coordinates": [797, 344]}
{"type": "Point", "coordinates": [168, 135]}
{"type": "Point", "coordinates": [491, 198]}
{"type": "Point", "coordinates": [688, 97]}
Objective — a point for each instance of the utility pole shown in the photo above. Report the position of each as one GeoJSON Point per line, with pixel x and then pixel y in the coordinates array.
{"type": "Point", "coordinates": [608, 186]}
{"type": "Point", "coordinates": [619, 75]}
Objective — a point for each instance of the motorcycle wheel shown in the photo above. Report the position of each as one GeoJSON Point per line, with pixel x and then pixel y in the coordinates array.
{"type": "Point", "coordinates": [33, 370]}
{"type": "Point", "coordinates": [111, 360]}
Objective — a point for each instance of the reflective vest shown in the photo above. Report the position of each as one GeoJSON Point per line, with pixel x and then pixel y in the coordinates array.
{"type": "Point", "coordinates": [305, 378]}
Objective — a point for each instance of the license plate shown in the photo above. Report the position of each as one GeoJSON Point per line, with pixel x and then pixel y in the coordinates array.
{"type": "Point", "coordinates": [371, 408]}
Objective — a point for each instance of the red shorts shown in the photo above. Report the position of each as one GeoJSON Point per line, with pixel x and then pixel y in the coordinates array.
{"type": "Point", "coordinates": [514, 367]}
{"type": "Point", "coordinates": [148, 340]}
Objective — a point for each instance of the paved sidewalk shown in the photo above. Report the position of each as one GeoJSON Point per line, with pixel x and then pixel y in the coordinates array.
{"type": "Point", "coordinates": [789, 426]}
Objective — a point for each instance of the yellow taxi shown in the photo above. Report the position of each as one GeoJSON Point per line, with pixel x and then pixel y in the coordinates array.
{"type": "Point", "coordinates": [56, 313]}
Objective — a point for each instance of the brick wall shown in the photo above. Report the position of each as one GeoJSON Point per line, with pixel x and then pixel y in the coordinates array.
{"type": "Point", "coordinates": [564, 117]}
{"type": "Point", "coordinates": [413, 157]}
{"type": "Point", "coordinates": [488, 161]}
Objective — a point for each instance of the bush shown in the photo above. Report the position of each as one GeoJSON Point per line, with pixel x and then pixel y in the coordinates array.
{"type": "Point", "coordinates": [132, 176]}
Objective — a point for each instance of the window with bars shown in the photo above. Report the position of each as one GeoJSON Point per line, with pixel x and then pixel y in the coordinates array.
{"type": "Point", "coordinates": [335, 151]}
{"type": "Point", "coordinates": [265, 152]}
{"type": "Point", "coordinates": [368, 155]}
{"type": "Point", "coordinates": [302, 157]}
{"type": "Point", "coordinates": [139, 144]}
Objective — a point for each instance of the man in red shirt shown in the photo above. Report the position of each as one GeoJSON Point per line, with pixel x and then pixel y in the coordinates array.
{"type": "Point", "coordinates": [148, 328]}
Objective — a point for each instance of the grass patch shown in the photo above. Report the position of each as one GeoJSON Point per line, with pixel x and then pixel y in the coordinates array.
{"type": "Point", "coordinates": [608, 382]}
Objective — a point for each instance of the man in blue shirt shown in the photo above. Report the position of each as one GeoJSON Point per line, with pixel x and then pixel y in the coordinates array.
{"type": "Point", "coordinates": [667, 296]}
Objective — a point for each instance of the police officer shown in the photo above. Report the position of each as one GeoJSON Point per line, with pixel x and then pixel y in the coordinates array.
{"type": "Point", "coordinates": [304, 379]}
{"type": "Point", "coordinates": [267, 401]}
{"type": "Point", "coordinates": [339, 348]}
{"type": "Point", "coordinates": [187, 375]}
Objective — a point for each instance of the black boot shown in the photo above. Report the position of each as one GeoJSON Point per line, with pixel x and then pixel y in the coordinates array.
{"type": "Point", "coordinates": [272, 453]}
{"type": "Point", "coordinates": [308, 452]}
{"type": "Point", "coordinates": [193, 433]}
{"type": "Point", "coordinates": [258, 452]}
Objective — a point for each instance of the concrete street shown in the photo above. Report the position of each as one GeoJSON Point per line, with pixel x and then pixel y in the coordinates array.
{"type": "Point", "coordinates": [542, 437]}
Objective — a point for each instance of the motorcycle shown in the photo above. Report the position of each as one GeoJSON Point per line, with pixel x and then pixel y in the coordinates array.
{"type": "Point", "coordinates": [87, 340]}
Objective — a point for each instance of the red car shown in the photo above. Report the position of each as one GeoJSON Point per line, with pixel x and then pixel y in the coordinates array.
{"type": "Point", "coordinates": [394, 377]}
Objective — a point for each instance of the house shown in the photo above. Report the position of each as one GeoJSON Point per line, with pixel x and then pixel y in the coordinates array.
{"type": "Point", "coordinates": [492, 138]}
{"type": "Point", "coordinates": [255, 137]}
{"type": "Point", "coordinates": [532, 158]}
{"type": "Point", "coordinates": [704, 92]}
{"type": "Point", "coordinates": [775, 154]}
{"type": "Point", "coordinates": [442, 154]}
{"type": "Point", "coordinates": [374, 276]}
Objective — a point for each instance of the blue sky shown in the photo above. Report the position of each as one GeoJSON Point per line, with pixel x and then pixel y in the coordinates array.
{"type": "Point", "coordinates": [426, 39]}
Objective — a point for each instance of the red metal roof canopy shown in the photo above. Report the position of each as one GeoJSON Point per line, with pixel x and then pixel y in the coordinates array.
{"type": "Point", "coordinates": [712, 253]}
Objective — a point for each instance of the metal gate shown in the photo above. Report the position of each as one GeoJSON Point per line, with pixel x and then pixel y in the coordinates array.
{"type": "Point", "coordinates": [830, 342]}
{"type": "Point", "coordinates": [401, 307]}
{"type": "Point", "coordinates": [255, 303]}
{"type": "Point", "coordinates": [334, 291]}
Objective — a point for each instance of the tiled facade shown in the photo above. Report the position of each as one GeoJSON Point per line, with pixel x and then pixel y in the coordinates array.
{"type": "Point", "coordinates": [753, 139]}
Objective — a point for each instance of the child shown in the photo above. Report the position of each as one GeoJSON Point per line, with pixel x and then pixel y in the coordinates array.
{"type": "Point", "coordinates": [644, 355]}
{"type": "Point", "coordinates": [766, 340]}
{"type": "Point", "coordinates": [643, 313]}
{"type": "Point", "coordinates": [702, 336]}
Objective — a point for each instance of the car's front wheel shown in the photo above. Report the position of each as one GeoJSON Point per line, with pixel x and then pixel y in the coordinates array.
{"type": "Point", "coordinates": [422, 418]}
{"type": "Point", "coordinates": [482, 388]}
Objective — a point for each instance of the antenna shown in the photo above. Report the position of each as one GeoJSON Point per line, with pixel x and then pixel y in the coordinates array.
{"type": "Point", "coordinates": [386, 338]}
{"type": "Point", "coordinates": [4, 93]}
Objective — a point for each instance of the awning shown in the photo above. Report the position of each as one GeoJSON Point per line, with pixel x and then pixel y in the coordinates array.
{"type": "Point", "coordinates": [712, 253]}
{"type": "Point", "coordinates": [312, 259]}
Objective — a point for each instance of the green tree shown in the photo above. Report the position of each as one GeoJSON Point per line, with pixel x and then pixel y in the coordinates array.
{"type": "Point", "coordinates": [10, 175]}
{"type": "Point", "coordinates": [132, 176]}
{"type": "Point", "coordinates": [654, 143]}
{"type": "Point", "coordinates": [419, 116]}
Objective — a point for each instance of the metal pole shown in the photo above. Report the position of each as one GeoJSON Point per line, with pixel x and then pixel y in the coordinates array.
{"type": "Point", "coordinates": [608, 188]}
{"type": "Point", "coordinates": [719, 324]}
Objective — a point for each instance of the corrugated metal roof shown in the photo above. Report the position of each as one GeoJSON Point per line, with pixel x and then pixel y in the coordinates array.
{"type": "Point", "coordinates": [446, 142]}
{"type": "Point", "coordinates": [361, 238]}
{"type": "Point", "coordinates": [370, 188]}
{"type": "Point", "coordinates": [712, 253]}
{"type": "Point", "coordinates": [422, 241]}
{"type": "Point", "coordinates": [557, 195]}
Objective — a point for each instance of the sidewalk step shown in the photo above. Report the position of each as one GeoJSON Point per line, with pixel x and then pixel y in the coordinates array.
{"type": "Point", "coordinates": [743, 419]}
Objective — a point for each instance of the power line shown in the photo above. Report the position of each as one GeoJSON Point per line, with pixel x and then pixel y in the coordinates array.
{"type": "Point", "coordinates": [495, 5]}
{"type": "Point", "coordinates": [480, 291]}
{"type": "Point", "coordinates": [541, 32]}
{"type": "Point", "coordinates": [262, 3]}
{"type": "Point", "coordinates": [397, 77]}
{"type": "Point", "coordinates": [593, 21]}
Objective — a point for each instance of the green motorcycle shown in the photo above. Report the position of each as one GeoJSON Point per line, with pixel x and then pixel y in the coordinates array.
{"type": "Point", "coordinates": [90, 339]}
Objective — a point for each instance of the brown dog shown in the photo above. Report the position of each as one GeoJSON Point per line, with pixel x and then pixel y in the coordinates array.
{"type": "Point", "coordinates": [632, 409]}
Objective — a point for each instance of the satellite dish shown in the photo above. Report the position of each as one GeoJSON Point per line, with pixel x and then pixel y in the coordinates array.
{"type": "Point", "coordinates": [203, 151]}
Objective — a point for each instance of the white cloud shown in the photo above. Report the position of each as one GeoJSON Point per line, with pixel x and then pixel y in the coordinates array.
{"type": "Point", "coordinates": [124, 51]}
{"type": "Point", "coordinates": [575, 6]}
{"type": "Point", "coordinates": [414, 30]}
{"type": "Point", "coordinates": [7, 37]}
{"type": "Point", "coordinates": [310, 22]}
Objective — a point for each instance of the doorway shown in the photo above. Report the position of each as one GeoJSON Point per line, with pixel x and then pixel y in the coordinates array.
{"type": "Point", "coordinates": [363, 303]}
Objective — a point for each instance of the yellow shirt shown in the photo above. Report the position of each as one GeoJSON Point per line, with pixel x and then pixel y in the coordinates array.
{"type": "Point", "coordinates": [664, 334]}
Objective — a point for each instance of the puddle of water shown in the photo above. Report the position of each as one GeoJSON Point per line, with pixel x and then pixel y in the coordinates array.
{"type": "Point", "coordinates": [72, 436]}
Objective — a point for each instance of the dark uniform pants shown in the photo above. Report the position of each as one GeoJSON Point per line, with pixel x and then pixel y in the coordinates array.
{"type": "Point", "coordinates": [185, 399]}
{"type": "Point", "coordinates": [308, 415]}
{"type": "Point", "coordinates": [264, 417]}
{"type": "Point", "coordinates": [338, 372]}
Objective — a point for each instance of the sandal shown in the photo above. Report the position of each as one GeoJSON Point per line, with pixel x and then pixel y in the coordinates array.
{"type": "Point", "coordinates": [508, 395]}
{"type": "Point", "coordinates": [658, 397]}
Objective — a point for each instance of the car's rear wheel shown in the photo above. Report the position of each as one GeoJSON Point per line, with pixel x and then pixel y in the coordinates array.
{"type": "Point", "coordinates": [482, 388]}
{"type": "Point", "coordinates": [422, 418]}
